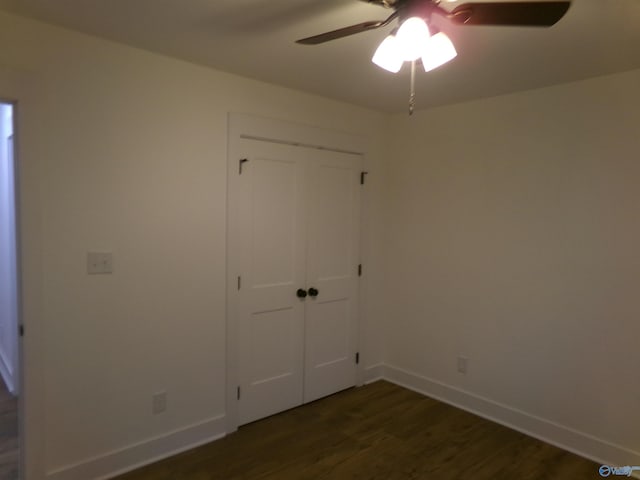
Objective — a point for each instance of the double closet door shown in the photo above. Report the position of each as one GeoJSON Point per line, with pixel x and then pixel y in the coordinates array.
{"type": "Point", "coordinates": [298, 222]}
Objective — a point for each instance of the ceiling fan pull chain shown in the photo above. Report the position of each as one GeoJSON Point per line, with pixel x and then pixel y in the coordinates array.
{"type": "Point", "coordinates": [412, 95]}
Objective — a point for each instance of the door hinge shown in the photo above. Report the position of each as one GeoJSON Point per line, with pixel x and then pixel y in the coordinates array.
{"type": "Point", "coordinates": [239, 282]}
{"type": "Point", "coordinates": [360, 270]}
{"type": "Point", "coordinates": [21, 330]}
{"type": "Point", "coordinates": [357, 358]}
{"type": "Point", "coordinates": [362, 175]}
{"type": "Point", "coordinates": [238, 393]}
{"type": "Point", "coordinates": [242, 160]}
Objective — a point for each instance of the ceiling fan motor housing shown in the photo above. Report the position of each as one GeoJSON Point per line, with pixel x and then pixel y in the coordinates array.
{"type": "Point", "coordinates": [417, 8]}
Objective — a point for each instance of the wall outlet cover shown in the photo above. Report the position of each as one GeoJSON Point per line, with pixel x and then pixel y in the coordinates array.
{"type": "Point", "coordinates": [462, 364]}
{"type": "Point", "coordinates": [158, 402]}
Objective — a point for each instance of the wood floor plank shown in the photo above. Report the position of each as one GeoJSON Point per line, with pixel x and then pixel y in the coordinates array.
{"type": "Point", "coordinates": [377, 432]}
{"type": "Point", "coordinates": [9, 445]}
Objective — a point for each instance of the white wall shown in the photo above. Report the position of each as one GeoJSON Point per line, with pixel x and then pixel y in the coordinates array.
{"type": "Point", "coordinates": [8, 274]}
{"type": "Point", "coordinates": [513, 240]}
{"type": "Point", "coordinates": [126, 152]}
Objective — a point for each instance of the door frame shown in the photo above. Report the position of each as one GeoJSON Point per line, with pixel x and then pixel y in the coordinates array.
{"type": "Point", "coordinates": [18, 88]}
{"type": "Point", "coordinates": [17, 380]}
{"type": "Point", "coordinates": [243, 126]}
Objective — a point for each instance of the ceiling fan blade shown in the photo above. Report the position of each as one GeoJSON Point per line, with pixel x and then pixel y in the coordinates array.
{"type": "Point", "coordinates": [346, 31]}
{"type": "Point", "coordinates": [533, 14]}
{"type": "Point", "coordinates": [382, 3]}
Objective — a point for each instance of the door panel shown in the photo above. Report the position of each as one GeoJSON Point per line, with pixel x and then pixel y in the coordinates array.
{"type": "Point", "coordinates": [332, 259]}
{"type": "Point", "coordinates": [332, 218]}
{"type": "Point", "coordinates": [271, 317]}
{"type": "Point", "coordinates": [273, 216]}
{"type": "Point", "coordinates": [329, 320]}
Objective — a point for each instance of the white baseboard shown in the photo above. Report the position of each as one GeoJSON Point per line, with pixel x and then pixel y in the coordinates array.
{"type": "Point", "coordinates": [137, 455]}
{"type": "Point", "coordinates": [582, 444]}
{"type": "Point", "coordinates": [134, 456]}
{"type": "Point", "coordinates": [373, 373]}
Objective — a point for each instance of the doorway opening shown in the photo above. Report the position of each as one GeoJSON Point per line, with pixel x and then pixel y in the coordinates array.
{"type": "Point", "coordinates": [9, 301]}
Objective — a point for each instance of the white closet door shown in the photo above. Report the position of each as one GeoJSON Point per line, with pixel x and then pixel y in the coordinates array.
{"type": "Point", "coordinates": [333, 213]}
{"type": "Point", "coordinates": [272, 265]}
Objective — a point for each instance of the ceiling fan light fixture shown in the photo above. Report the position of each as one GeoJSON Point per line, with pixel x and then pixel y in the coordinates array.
{"type": "Point", "coordinates": [413, 40]}
{"type": "Point", "coordinates": [439, 51]}
{"type": "Point", "coordinates": [388, 55]}
{"type": "Point", "coordinates": [413, 37]}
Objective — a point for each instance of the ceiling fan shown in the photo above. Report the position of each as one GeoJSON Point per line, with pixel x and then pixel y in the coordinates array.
{"type": "Point", "coordinates": [533, 14]}
{"type": "Point", "coordinates": [413, 40]}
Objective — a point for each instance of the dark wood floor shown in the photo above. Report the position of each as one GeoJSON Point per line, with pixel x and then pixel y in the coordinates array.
{"type": "Point", "coordinates": [377, 432]}
{"type": "Point", "coordinates": [9, 454]}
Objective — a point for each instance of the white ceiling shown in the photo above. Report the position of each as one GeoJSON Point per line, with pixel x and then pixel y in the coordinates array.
{"type": "Point", "coordinates": [255, 38]}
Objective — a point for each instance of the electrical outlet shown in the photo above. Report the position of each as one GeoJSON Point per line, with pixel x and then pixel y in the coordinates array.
{"type": "Point", "coordinates": [462, 365]}
{"type": "Point", "coordinates": [158, 402]}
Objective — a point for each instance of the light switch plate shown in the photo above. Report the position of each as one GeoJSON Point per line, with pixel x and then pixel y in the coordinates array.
{"type": "Point", "coordinates": [99, 262]}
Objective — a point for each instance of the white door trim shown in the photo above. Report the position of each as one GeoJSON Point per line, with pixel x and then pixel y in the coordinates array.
{"type": "Point", "coordinates": [19, 88]}
{"type": "Point", "coordinates": [277, 131]}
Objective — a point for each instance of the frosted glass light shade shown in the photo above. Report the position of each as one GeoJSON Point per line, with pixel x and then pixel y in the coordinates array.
{"type": "Point", "coordinates": [388, 55]}
{"type": "Point", "coordinates": [438, 52]}
{"type": "Point", "coordinates": [413, 38]}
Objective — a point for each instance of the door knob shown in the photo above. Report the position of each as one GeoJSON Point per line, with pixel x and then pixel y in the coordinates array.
{"type": "Point", "coordinates": [301, 293]}
{"type": "Point", "coordinates": [313, 292]}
